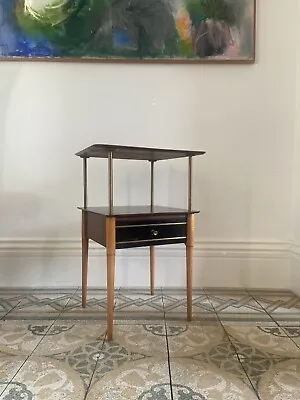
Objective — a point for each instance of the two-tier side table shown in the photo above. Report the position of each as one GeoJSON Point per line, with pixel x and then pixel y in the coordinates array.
{"type": "Point", "coordinates": [116, 227]}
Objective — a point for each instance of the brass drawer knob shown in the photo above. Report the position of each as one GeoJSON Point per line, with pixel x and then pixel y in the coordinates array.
{"type": "Point", "coordinates": [154, 232]}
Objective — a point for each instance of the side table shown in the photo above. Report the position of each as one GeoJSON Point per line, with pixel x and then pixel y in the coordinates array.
{"type": "Point", "coordinates": [116, 227]}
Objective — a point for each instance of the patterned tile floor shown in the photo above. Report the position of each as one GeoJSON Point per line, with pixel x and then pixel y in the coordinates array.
{"type": "Point", "coordinates": [241, 344]}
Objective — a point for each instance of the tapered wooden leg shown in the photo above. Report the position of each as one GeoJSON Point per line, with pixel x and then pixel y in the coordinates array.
{"type": "Point", "coordinates": [189, 264]}
{"type": "Point", "coordinates": [152, 269]}
{"type": "Point", "coordinates": [84, 257]}
{"type": "Point", "coordinates": [110, 255]}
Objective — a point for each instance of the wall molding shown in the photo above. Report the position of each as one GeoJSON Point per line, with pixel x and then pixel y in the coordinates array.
{"type": "Point", "coordinates": [57, 263]}
{"type": "Point", "coordinates": [295, 268]}
{"type": "Point", "coordinates": [203, 248]}
{"type": "Point", "coordinates": [295, 250]}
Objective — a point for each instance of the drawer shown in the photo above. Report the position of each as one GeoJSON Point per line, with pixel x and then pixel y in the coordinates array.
{"type": "Point", "coordinates": [147, 233]}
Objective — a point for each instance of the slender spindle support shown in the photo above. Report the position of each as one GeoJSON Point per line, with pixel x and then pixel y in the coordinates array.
{"type": "Point", "coordinates": [189, 245]}
{"type": "Point", "coordinates": [84, 239]}
{"type": "Point", "coordinates": [110, 260]}
{"type": "Point", "coordinates": [110, 182]}
{"type": "Point", "coordinates": [152, 249]}
{"type": "Point", "coordinates": [189, 264]}
{"type": "Point", "coordinates": [190, 172]}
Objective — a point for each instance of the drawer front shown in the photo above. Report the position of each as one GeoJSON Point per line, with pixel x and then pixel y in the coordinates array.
{"type": "Point", "coordinates": [147, 233]}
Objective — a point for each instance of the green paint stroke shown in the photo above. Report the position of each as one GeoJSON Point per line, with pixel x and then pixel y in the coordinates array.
{"type": "Point", "coordinates": [217, 10]}
{"type": "Point", "coordinates": [69, 26]}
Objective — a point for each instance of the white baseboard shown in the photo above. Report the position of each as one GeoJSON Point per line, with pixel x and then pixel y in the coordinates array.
{"type": "Point", "coordinates": [57, 263]}
{"type": "Point", "coordinates": [295, 268]}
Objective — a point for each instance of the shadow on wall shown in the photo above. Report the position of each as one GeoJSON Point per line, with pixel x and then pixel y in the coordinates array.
{"type": "Point", "coordinates": [8, 77]}
{"type": "Point", "coordinates": [26, 216]}
{"type": "Point", "coordinates": [22, 257]}
{"type": "Point", "coordinates": [178, 185]}
{"type": "Point", "coordinates": [17, 212]}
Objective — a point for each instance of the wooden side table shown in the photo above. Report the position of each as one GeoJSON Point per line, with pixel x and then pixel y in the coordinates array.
{"type": "Point", "coordinates": [135, 226]}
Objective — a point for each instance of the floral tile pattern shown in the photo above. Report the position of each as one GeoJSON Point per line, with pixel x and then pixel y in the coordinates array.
{"type": "Point", "coordinates": [42, 378]}
{"type": "Point", "coordinates": [143, 379]}
{"type": "Point", "coordinates": [281, 381]}
{"type": "Point", "coordinates": [240, 345]}
{"type": "Point", "coordinates": [22, 337]}
{"type": "Point", "coordinates": [270, 340]}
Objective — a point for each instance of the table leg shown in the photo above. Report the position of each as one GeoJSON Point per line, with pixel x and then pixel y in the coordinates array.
{"type": "Point", "coordinates": [110, 255]}
{"type": "Point", "coordinates": [152, 269]}
{"type": "Point", "coordinates": [189, 264]}
{"type": "Point", "coordinates": [84, 257]}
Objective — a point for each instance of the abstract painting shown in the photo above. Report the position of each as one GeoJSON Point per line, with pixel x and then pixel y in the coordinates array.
{"type": "Point", "coordinates": [142, 30]}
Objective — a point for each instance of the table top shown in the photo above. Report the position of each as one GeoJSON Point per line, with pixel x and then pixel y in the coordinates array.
{"type": "Point", "coordinates": [135, 153]}
{"type": "Point", "coordinates": [138, 210]}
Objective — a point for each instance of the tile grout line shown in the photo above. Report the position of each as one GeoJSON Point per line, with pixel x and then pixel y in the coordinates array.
{"type": "Point", "coordinates": [236, 353]}
{"type": "Point", "coordinates": [167, 343]}
{"type": "Point", "coordinates": [274, 320]}
{"type": "Point", "coordinates": [55, 316]}
{"type": "Point", "coordinates": [42, 338]}
{"type": "Point", "coordinates": [94, 370]}
{"type": "Point", "coordinates": [8, 312]}
{"type": "Point", "coordinates": [24, 293]}
{"type": "Point", "coordinates": [164, 314]}
{"type": "Point", "coordinates": [116, 295]}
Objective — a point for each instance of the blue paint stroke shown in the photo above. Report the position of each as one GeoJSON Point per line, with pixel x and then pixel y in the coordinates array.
{"type": "Point", "coordinates": [14, 42]}
{"type": "Point", "coordinates": [123, 40]}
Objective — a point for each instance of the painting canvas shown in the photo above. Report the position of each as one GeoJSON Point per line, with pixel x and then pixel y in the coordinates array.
{"type": "Point", "coordinates": [143, 30]}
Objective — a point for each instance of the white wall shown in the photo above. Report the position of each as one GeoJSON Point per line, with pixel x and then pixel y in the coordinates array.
{"type": "Point", "coordinates": [242, 115]}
